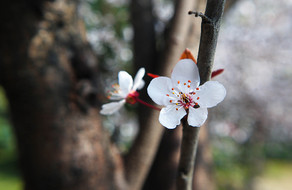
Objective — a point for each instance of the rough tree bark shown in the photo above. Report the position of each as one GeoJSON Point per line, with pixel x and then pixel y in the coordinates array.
{"type": "Point", "coordinates": [46, 64]}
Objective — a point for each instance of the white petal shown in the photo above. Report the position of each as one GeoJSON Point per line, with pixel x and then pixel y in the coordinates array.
{"type": "Point", "coordinates": [169, 117]}
{"type": "Point", "coordinates": [211, 93]}
{"type": "Point", "coordinates": [138, 81]}
{"type": "Point", "coordinates": [141, 85]}
{"type": "Point", "coordinates": [158, 90]}
{"type": "Point", "coordinates": [110, 108]}
{"type": "Point", "coordinates": [197, 117]}
{"type": "Point", "coordinates": [184, 71]}
{"type": "Point", "coordinates": [125, 82]}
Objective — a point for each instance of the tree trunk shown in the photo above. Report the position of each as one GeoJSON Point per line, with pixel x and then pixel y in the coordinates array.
{"type": "Point", "coordinates": [45, 65]}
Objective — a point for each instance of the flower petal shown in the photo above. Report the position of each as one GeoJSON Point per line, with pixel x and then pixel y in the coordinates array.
{"type": "Point", "coordinates": [141, 85]}
{"type": "Point", "coordinates": [158, 90]}
{"type": "Point", "coordinates": [110, 108]}
{"type": "Point", "coordinates": [197, 117]}
{"type": "Point", "coordinates": [210, 94]}
{"type": "Point", "coordinates": [125, 82]}
{"type": "Point", "coordinates": [169, 117]}
{"type": "Point", "coordinates": [186, 71]}
{"type": "Point", "coordinates": [138, 81]}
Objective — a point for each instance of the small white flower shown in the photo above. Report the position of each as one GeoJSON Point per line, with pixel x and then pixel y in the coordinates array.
{"type": "Point", "coordinates": [125, 91]}
{"type": "Point", "coordinates": [182, 95]}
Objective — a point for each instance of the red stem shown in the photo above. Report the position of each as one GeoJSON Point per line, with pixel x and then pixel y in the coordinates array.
{"type": "Point", "coordinates": [146, 104]}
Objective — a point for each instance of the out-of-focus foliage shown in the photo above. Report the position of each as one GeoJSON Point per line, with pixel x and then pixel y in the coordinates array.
{"type": "Point", "coordinates": [7, 144]}
{"type": "Point", "coordinates": [9, 175]}
{"type": "Point", "coordinates": [109, 32]}
{"type": "Point", "coordinates": [253, 124]}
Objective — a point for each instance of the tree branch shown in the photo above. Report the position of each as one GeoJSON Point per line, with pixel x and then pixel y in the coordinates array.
{"type": "Point", "coordinates": [209, 35]}
{"type": "Point", "coordinates": [187, 156]}
{"type": "Point", "coordinates": [209, 32]}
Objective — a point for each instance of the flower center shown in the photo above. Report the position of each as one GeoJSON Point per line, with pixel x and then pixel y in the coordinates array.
{"type": "Point", "coordinates": [115, 94]}
{"type": "Point", "coordinates": [132, 97]}
{"type": "Point", "coordinates": [184, 99]}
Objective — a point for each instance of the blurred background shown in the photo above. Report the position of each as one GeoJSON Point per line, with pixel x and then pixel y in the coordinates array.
{"type": "Point", "coordinates": [250, 131]}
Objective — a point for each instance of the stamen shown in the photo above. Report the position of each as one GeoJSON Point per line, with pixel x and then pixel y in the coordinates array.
{"type": "Point", "coordinates": [178, 82]}
{"type": "Point", "coordinates": [176, 103]}
{"type": "Point", "coordinates": [170, 101]}
{"type": "Point", "coordinates": [196, 106]}
{"type": "Point", "coordinates": [197, 89]}
{"type": "Point", "coordinates": [189, 81]}
{"type": "Point", "coordinates": [198, 98]}
{"type": "Point", "coordinates": [176, 109]}
{"type": "Point", "coordinates": [172, 88]}
{"type": "Point", "coordinates": [173, 93]}
{"type": "Point", "coordinates": [189, 86]}
{"type": "Point", "coordinates": [167, 94]}
{"type": "Point", "coordinates": [185, 83]}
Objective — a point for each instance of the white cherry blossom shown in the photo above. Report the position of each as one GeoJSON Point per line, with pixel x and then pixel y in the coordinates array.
{"type": "Point", "coordinates": [182, 96]}
{"type": "Point", "coordinates": [124, 91]}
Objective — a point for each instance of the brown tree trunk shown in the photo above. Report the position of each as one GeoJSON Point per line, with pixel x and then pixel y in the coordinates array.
{"type": "Point", "coordinates": [45, 64]}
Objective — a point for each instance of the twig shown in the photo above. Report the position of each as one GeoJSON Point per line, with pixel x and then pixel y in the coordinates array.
{"type": "Point", "coordinates": [209, 32]}
{"type": "Point", "coordinates": [199, 14]}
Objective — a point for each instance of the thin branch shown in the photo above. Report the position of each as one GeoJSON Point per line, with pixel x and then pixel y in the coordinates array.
{"type": "Point", "coordinates": [199, 14]}
{"type": "Point", "coordinates": [209, 36]}
{"type": "Point", "coordinates": [211, 21]}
